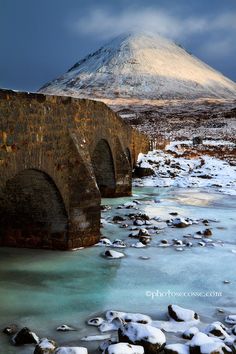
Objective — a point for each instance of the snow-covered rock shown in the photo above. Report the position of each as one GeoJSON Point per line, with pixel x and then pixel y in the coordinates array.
{"type": "Point", "coordinates": [190, 332]}
{"type": "Point", "coordinates": [96, 321]}
{"type": "Point", "coordinates": [45, 346]}
{"type": "Point", "coordinates": [202, 344]}
{"type": "Point", "coordinates": [152, 339]}
{"type": "Point", "coordinates": [118, 243]}
{"type": "Point", "coordinates": [128, 317]}
{"type": "Point", "coordinates": [104, 242]}
{"type": "Point", "coordinates": [177, 349]}
{"type": "Point", "coordinates": [113, 254]}
{"type": "Point", "coordinates": [71, 350]}
{"type": "Point", "coordinates": [181, 314]}
{"type": "Point", "coordinates": [231, 319]}
{"type": "Point", "coordinates": [216, 329]}
{"type": "Point", "coordinates": [124, 348]}
{"type": "Point", "coordinates": [65, 328]}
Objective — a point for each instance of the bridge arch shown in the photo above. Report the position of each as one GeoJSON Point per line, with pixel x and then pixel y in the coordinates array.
{"type": "Point", "coordinates": [32, 212]}
{"type": "Point", "coordinates": [104, 168]}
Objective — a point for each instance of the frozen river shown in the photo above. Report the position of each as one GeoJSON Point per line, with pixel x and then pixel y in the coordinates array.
{"type": "Point", "coordinates": [44, 289]}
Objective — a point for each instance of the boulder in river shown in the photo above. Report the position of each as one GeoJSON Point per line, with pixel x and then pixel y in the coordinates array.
{"type": "Point", "coordinates": [181, 314]}
{"type": "Point", "coordinates": [150, 338]}
{"type": "Point", "coordinates": [25, 336]}
{"type": "Point", "coordinates": [113, 254]}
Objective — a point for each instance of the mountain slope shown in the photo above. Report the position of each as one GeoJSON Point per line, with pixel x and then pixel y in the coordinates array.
{"type": "Point", "coordinates": [142, 66]}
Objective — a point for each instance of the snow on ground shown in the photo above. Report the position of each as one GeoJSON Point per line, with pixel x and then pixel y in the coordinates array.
{"type": "Point", "coordinates": [199, 172]}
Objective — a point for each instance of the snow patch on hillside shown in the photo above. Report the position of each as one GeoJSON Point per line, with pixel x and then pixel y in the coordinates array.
{"type": "Point", "coordinates": [142, 66]}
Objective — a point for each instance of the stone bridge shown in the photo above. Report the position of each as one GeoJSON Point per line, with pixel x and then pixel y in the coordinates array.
{"type": "Point", "coordinates": [58, 156]}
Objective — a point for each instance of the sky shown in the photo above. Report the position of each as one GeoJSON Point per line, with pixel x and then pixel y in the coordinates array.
{"type": "Point", "coordinates": [42, 39]}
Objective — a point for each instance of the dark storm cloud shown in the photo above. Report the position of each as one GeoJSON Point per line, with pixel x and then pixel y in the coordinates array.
{"type": "Point", "coordinates": [42, 39]}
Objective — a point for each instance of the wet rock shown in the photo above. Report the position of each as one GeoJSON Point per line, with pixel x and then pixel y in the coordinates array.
{"type": "Point", "coordinates": [145, 258]}
{"type": "Point", "coordinates": [65, 328]}
{"type": "Point", "coordinates": [45, 346]}
{"type": "Point", "coordinates": [189, 333]}
{"type": "Point", "coordinates": [143, 232]}
{"type": "Point", "coordinates": [118, 218]}
{"type": "Point", "coordinates": [176, 349]}
{"type": "Point", "coordinates": [227, 282]}
{"type": "Point", "coordinates": [11, 329]}
{"type": "Point", "coordinates": [96, 321]}
{"type": "Point", "coordinates": [181, 314]}
{"type": "Point", "coordinates": [25, 336]}
{"type": "Point", "coordinates": [145, 239]}
{"type": "Point", "coordinates": [113, 254]}
{"type": "Point", "coordinates": [150, 338]}
{"type": "Point", "coordinates": [71, 350]}
{"type": "Point", "coordinates": [207, 233]}
{"type": "Point", "coordinates": [230, 319]}
{"type": "Point", "coordinates": [139, 222]}
{"type": "Point", "coordinates": [124, 348]}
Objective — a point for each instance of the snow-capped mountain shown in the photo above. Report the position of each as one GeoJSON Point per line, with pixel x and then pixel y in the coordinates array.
{"type": "Point", "coordinates": [142, 67]}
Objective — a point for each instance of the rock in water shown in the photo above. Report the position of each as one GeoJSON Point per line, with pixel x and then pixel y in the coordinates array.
{"type": "Point", "coordinates": [45, 346]}
{"type": "Point", "coordinates": [12, 329]}
{"type": "Point", "coordinates": [181, 314]}
{"type": "Point", "coordinates": [113, 254]}
{"type": "Point", "coordinates": [202, 344]}
{"type": "Point", "coordinates": [25, 336]}
{"type": "Point", "coordinates": [65, 328]}
{"type": "Point", "coordinates": [124, 348]}
{"type": "Point", "coordinates": [150, 338]}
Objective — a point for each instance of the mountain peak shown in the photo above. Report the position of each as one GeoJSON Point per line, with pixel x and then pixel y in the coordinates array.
{"type": "Point", "coordinates": [141, 65]}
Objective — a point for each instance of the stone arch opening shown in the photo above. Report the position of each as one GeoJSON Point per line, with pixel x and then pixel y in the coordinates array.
{"type": "Point", "coordinates": [32, 212]}
{"type": "Point", "coordinates": [104, 170]}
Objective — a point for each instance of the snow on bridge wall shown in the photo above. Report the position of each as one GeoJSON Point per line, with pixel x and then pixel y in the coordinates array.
{"type": "Point", "coordinates": [51, 168]}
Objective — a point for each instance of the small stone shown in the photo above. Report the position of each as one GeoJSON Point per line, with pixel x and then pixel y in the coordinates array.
{"type": "Point", "coordinates": [12, 329]}
{"type": "Point", "coordinates": [65, 328]}
{"type": "Point", "coordinates": [207, 233]}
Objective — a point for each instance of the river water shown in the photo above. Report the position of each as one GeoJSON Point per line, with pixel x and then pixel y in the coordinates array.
{"type": "Point", "coordinates": [44, 289]}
